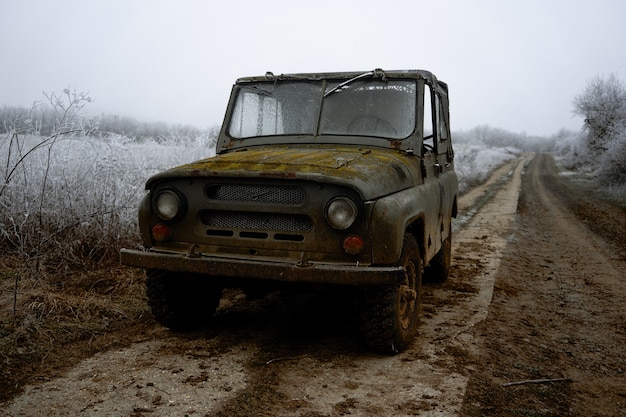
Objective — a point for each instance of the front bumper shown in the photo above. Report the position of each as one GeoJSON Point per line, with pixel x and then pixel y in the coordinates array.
{"type": "Point", "coordinates": [265, 270]}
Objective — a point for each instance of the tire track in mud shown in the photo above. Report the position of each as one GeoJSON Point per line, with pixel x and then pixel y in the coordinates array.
{"type": "Point", "coordinates": [300, 355]}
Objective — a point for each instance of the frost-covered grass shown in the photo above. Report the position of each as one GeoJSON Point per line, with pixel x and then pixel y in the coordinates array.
{"type": "Point", "coordinates": [474, 162]}
{"type": "Point", "coordinates": [481, 150]}
{"type": "Point", "coordinates": [75, 200]}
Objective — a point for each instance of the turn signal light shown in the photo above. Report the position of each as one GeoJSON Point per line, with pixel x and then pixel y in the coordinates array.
{"type": "Point", "coordinates": [353, 244]}
{"type": "Point", "coordinates": [161, 232]}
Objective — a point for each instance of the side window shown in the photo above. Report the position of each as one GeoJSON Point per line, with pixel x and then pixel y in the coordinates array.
{"type": "Point", "coordinates": [442, 127]}
{"type": "Point", "coordinates": [428, 119]}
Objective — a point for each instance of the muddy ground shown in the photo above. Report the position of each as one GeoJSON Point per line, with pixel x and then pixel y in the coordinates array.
{"type": "Point", "coordinates": [530, 323]}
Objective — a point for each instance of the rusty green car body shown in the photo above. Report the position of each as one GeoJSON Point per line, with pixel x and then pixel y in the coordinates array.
{"type": "Point", "coordinates": [325, 178]}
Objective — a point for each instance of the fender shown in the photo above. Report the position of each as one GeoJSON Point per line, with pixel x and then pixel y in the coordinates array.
{"type": "Point", "coordinates": [392, 215]}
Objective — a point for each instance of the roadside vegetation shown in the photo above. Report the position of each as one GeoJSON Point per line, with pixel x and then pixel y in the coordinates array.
{"type": "Point", "coordinates": [599, 150]}
{"type": "Point", "coordinates": [70, 184]}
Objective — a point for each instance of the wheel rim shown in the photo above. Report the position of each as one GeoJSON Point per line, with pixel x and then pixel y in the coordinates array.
{"type": "Point", "coordinates": [408, 296]}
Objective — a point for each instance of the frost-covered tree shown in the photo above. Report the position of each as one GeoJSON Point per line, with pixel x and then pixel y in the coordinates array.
{"type": "Point", "coordinates": [603, 106]}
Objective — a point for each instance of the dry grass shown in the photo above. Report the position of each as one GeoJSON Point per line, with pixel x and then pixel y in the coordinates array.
{"type": "Point", "coordinates": [40, 312]}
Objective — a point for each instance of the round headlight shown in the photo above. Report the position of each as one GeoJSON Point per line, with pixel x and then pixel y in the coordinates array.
{"type": "Point", "coordinates": [342, 213]}
{"type": "Point", "coordinates": [168, 205]}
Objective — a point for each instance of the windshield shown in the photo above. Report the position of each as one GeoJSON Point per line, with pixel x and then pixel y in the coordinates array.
{"type": "Point", "coordinates": [364, 107]}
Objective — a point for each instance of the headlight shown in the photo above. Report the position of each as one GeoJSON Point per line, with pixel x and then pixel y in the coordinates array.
{"type": "Point", "coordinates": [168, 205]}
{"type": "Point", "coordinates": [341, 213]}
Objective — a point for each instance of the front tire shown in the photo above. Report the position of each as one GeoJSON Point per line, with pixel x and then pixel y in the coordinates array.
{"type": "Point", "coordinates": [181, 301]}
{"type": "Point", "coordinates": [390, 314]}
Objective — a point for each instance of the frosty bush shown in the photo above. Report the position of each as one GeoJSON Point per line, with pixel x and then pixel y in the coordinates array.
{"type": "Point", "coordinates": [572, 151]}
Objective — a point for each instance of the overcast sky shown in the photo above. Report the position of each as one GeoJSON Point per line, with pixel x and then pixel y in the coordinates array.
{"type": "Point", "coordinates": [515, 65]}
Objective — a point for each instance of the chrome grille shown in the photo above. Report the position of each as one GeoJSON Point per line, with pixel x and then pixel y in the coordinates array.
{"type": "Point", "coordinates": [256, 221]}
{"type": "Point", "coordinates": [256, 193]}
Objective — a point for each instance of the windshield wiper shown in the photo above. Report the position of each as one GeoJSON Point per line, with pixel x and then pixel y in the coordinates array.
{"type": "Point", "coordinates": [339, 87]}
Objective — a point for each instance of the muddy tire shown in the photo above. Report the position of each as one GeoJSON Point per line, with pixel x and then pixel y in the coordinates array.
{"type": "Point", "coordinates": [181, 301]}
{"type": "Point", "coordinates": [390, 314]}
{"type": "Point", "coordinates": [439, 268]}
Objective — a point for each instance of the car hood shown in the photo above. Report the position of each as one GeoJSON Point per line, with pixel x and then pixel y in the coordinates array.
{"type": "Point", "coordinates": [373, 172]}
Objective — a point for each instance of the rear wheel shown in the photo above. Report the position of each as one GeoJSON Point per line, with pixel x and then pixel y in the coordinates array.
{"type": "Point", "coordinates": [181, 301]}
{"type": "Point", "coordinates": [390, 314]}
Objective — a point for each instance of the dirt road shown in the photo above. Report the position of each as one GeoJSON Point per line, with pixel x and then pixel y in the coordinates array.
{"type": "Point", "coordinates": [536, 293]}
{"type": "Point", "coordinates": [558, 307]}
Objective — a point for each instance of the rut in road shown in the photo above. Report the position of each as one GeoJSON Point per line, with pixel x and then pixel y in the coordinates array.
{"type": "Point", "coordinates": [282, 356]}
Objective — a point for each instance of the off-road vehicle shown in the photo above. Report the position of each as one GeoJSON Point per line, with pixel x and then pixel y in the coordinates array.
{"type": "Point", "coordinates": [344, 179]}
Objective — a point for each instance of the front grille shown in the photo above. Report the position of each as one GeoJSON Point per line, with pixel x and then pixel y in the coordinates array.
{"type": "Point", "coordinates": [256, 193]}
{"type": "Point", "coordinates": [256, 221]}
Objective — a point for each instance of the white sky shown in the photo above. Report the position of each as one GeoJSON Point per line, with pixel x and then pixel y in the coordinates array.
{"type": "Point", "coordinates": [510, 64]}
